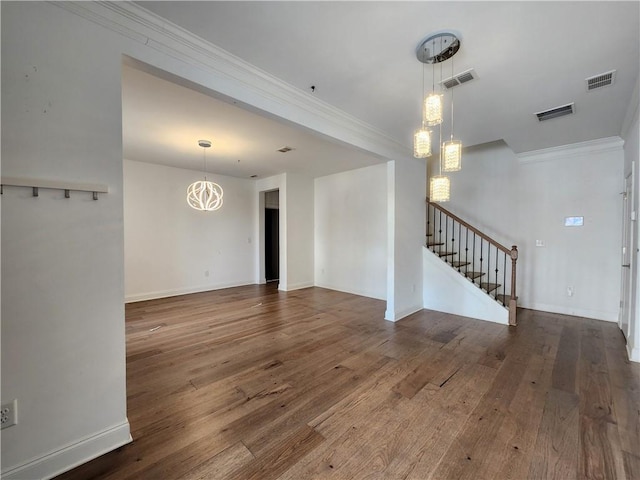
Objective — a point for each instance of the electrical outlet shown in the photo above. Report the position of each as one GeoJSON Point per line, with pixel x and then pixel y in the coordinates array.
{"type": "Point", "coordinates": [9, 414]}
{"type": "Point", "coordinates": [570, 291]}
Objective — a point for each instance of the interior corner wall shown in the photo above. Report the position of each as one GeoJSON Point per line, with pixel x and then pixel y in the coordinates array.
{"type": "Point", "coordinates": [350, 234]}
{"type": "Point", "coordinates": [172, 249]}
{"type": "Point", "coordinates": [63, 347]}
{"type": "Point", "coordinates": [518, 202]}
{"type": "Point", "coordinates": [406, 223]}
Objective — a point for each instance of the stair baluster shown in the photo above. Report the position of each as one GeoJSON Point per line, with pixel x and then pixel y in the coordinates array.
{"type": "Point", "coordinates": [481, 259]}
{"type": "Point", "coordinates": [466, 250]}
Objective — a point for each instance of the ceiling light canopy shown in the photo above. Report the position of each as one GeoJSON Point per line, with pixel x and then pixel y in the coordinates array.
{"type": "Point", "coordinates": [438, 47]}
{"type": "Point", "coordinates": [204, 195]}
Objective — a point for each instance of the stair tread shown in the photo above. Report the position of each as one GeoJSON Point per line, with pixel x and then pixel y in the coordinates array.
{"type": "Point", "coordinates": [505, 298]}
{"type": "Point", "coordinates": [434, 244]}
{"type": "Point", "coordinates": [474, 274]}
{"type": "Point", "coordinates": [446, 254]}
{"type": "Point", "coordinates": [460, 264]}
{"type": "Point", "coordinates": [489, 287]}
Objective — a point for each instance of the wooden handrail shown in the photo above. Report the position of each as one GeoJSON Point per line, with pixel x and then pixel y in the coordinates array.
{"type": "Point", "coordinates": [472, 228]}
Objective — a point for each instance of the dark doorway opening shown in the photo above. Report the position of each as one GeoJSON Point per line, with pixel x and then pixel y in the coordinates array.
{"type": "Point", "coordinates": [272, 236]}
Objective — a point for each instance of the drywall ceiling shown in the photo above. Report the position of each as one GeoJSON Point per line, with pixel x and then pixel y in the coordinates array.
{"type": "Point", "coordinates": [162, 122]}
{"type": "Point", "coordinates": [360, 56]}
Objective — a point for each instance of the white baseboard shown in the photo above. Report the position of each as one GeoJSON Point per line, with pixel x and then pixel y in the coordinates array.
{"type": "Point", "coordinates": [59, 461]}
{"type": "Point", "coordinates": [352, 291]}
{"type": "Point", "coordinates": [139, 297]}
{"type": "Point", "coordinates": [576, 312]}
{"type": "Point", "coordinates": [296, 286]}
{"type": "Point", "coordinates": [399, 315]}
{"type": "Point", "coordinates": [634, 353]}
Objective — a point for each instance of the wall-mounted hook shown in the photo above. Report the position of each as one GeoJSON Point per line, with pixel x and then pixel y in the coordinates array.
{"type": "Point", "coordinates": [67, 187]}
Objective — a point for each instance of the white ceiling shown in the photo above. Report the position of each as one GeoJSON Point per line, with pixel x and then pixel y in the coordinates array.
{"type": "Point", "coordinates": [528, 57]}
{"type": "Point", "coordinates": [162, 122]}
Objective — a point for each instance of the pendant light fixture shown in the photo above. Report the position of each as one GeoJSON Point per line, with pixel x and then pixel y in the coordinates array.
{"type": "Point", "coordinates": [432, 111]}
{"type": "Point", "coordinates": [451, 150]}
{"type": "Point", "coordinates": [422, 143]}
{"type": "Point", "coordinates": [422, 136]}
{"type": "Point", "coordinates": [438, 48]}
{"type": "Point", "coordinates": [204, 195]}
{"type": "Point", "coordinates": [440, 185]}
{"type": "Point", "coordinates": [439, 188]}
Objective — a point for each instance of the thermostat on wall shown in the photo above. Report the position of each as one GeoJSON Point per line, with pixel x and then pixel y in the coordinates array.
{"type": "Point", "coordinates": [573, 221]}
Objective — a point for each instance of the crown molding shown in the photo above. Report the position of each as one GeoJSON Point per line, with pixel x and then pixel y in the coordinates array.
{"type": "Point", "coordinates": [261, 89]}
{"type": "Point", "coordinates": [572, 150]}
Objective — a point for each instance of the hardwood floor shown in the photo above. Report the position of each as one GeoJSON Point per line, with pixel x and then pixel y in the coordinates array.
{"type": "Point", "coordinates": [252, 383]}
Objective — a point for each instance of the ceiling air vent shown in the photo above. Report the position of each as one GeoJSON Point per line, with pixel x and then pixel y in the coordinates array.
{"type": "Point", "coordinates": [602, 80]}
{"type": "Point", "coordinates": [285, 149]}
{"type": "Point", "coordinates": [556, 112]}
{"type": "Point", "coordinates": [459, 79]}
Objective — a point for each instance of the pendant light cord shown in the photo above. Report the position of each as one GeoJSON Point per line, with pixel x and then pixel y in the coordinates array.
{"type": "Point", "coordinates": [433, 69]}
{"type": "Point", "coordinates": [204, 154]}
{"type": "Point", "coordinates": [440, 122]}
{"type": "Point", "coordinates": [452, 101]}
{"type": "Point", "coordinates": [423, 67]}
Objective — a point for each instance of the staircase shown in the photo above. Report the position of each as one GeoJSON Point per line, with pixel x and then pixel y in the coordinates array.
{"type": "Point", "coordinates": [486, 263]}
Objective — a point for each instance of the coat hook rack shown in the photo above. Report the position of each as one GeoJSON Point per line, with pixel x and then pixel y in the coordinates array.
{"type": "Point", "coordinates": [36, 185]}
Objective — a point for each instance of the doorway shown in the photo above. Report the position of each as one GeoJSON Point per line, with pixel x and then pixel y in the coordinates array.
{"type": "Point", "coordinates": [272, 235]}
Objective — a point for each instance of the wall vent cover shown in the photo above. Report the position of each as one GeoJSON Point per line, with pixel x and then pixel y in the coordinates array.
{"type": "Point", "coordinates": [459, 79]}
{"type": "Point", "coordinates": [556, 112]}
{"type": "Point", "coordinates": [602, 80]}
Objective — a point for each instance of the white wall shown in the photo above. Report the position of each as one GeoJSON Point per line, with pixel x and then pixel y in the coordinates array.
{"type": "Point", "coordinates": [63, 349]}
{"type": "Point", "coordinates": [172, 249]}
{"type": "Point", "coordinates": [445, 290]}
{"type": "Point", "coordinates": [632, 155]}
{"type": "Point", "coordinates": [520, 200]}
{"type": "Point", "coordinates": [351, 231]}
{"type": "Point", "coordinates": [300, 228]}
{"type": "Point", "coordinates": [406, 180]}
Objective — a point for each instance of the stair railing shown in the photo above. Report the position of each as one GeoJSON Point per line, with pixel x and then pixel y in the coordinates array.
{"type": "Point", "coordinates": [487, 263]}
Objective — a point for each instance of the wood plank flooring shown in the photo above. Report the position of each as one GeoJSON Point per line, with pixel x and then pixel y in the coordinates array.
{"type": "Point", "coordinates": [252, 383]}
